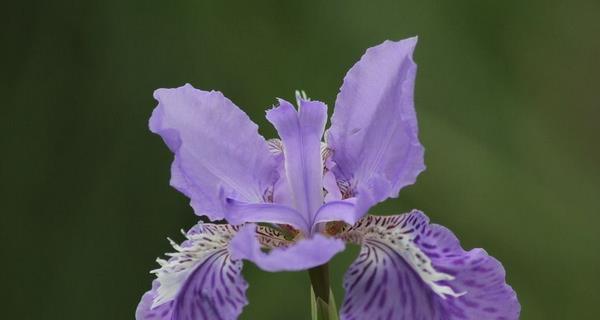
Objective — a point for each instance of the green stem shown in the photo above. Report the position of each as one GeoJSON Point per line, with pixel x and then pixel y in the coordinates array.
{"type": "Point", "coordinates": [322, 301]}
{"type": "Point", "coordinates": [319, 278]}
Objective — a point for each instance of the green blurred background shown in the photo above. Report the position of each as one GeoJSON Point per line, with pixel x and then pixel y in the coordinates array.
{"type": "Point", "coordinates": [507, 97]}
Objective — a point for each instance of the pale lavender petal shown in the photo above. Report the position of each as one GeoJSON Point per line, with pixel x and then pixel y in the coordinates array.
{"type": "Point", "coordinates": [302, 255]}
{"type": "Point", "coordinates": [216, 146]}
{"type": "Point", "coordinates": [199, 281]}
{"type": "Point", "coordinates": [481, 276]}
{"type": "Point", "coordinates": [337, 210]}
{"type": "Point", "coordinates": [408, 269]}
{"type": "Point", "coordinates": [282, 194]}
{"type": "Point", "coordinates": [241, 212]}
{"type": "Point", "coordinates": [144, 310]}
{"type": "Point", "coordinates": [301, 134]}
{"type": "Point", "coordinates": [374, 127]}
{"type": "Point", "coordinates": [330, 183]}
{"type": "Point", "coordinates": [370, 193]}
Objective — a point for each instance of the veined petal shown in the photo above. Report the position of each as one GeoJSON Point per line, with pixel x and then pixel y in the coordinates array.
{"type": "Point", "coordinates": [302, 255]}
{"type": "Point", "coordinates": [408, 269]}
{"type": "Point", "coordinates": [240, 212]}
{"type": "Point", "coordinates": [301, 134]}
{"type": "Point", "coordinates": [144, 310]}
{"type": "Point", "coordinates": [199, 281]}
{"type": "Point", "coordinates": [374, 127]}
{"type": "Point", "coordinates": [216, 146]}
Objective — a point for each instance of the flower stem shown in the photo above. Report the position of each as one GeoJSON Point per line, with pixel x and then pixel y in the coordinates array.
{"type": "Point", "coordinates": [319, 278]}
{"type": "Point", "coordinates": [322, 302]}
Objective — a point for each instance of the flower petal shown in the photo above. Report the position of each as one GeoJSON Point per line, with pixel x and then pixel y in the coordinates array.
{"type": "Point", "coordinates": [145, 311]}
{"type": "Point", "coordinates": [302, 255]}
{"type": "Point", "coordinates": [337, 210]}
{"type": "Point", "coordinates": [301, 134]}
{"type": "Point", "coordinates": [408, 269]}
{"type": "Point", "coordinates": [330, 183]}
{"type": "Point", "coordinates": [374, 127]}
{"type": "Point", "coordinates": [240, 212]}
{"type": "Point", "coordinates": [199, 281]}
{"type": "Point", "coordinates": [216, 146]}
{"type": "Point", "coordinates": [282, 194]}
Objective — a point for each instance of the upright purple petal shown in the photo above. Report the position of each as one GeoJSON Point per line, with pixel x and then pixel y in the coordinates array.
{"type": "Point", "coordinates": [302, 255]}
{"type": "Point", "coordinates": [199, 281]}
{"type": "Point", "coordinates": [408, 269]}
{"type": "Point", "coordinates": [216, 147]}
{"type": "Point", "coordinates": [374, 133]}
{"type": "Point", "coordinates": [301, 134]}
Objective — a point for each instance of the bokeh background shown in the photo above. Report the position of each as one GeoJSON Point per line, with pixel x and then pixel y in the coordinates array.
{"type": "Point", "coordinates": [507, 96]}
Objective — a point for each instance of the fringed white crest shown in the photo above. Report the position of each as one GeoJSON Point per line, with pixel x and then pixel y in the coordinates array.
{"type": "Point", "coordinates": [399, 234]}
{"type": "Point", "coordinates": [201, 242]}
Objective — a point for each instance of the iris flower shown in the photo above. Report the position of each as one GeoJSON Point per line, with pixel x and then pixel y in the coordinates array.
{"type": "Point", "coordinates": [293, 203]}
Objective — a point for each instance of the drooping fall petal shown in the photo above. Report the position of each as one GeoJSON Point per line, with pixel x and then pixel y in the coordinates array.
{"type": "Point", "coordinates": [408, 269]}
{"type": "Point", "coordinates": [199, 281]}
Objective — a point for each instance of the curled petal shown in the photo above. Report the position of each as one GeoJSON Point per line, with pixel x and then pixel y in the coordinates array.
{"type": "Point", "coordinates": [216, 147]}
{"type": "Point", "coordinates": [199, 281]}
{"type": "Point", "coordinates": [337, 210]}
{"type": "Point", "coordinates": [408, 269]}
{"type": "Point", "coordinates": [374, 127]}
{"type": "Point", "coordinates": [302, 255]}
{"type": "Point", "coordinates": [239, 213]}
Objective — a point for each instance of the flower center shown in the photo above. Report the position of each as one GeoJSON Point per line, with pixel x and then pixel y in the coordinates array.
{"type": "Point", "coordinates": [333, 228]}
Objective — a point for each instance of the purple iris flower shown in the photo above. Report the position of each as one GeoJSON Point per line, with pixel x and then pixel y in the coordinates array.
{"type": "Point", "coordinates": [293, 203]}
